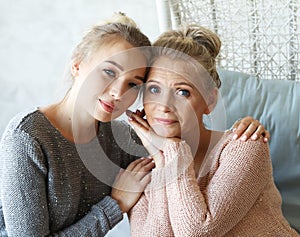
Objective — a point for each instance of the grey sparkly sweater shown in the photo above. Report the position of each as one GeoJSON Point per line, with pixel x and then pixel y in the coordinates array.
{"type": "Point", "coordinates": [51, 187]}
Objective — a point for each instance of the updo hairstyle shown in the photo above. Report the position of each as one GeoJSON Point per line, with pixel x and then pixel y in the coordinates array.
{"type": "Point", "coordinates": [197, 42]}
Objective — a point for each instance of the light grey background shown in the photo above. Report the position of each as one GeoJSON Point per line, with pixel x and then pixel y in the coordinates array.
{"type": "Point", "coordinates": [36, 40]}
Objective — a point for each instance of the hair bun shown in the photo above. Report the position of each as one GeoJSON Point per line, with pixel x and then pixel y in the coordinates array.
{"type": "Point", "coordinates": [121, 18]}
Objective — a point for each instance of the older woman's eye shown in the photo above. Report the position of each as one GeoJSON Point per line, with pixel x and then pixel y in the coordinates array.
{"type": "Point", "coordinates": [185, 93]}
{"type": "Point", "coordinates": [154, 89]}
{"type": "Point", "coordinates": [109, 72]}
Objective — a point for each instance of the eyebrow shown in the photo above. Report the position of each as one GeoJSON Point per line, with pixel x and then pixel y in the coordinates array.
{"type": "Point", "coordinates": [184, 83]}
{"type": "Point", "coordinates": [116, 64]}
{"type": "Point", "coordinates": [176, 84]}
{"type": "Point", "coordinates": [122, 69]}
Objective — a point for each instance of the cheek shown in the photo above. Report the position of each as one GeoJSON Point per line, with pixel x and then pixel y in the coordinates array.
{"type": "Point", "coordinates": [188, 115]}
{"type": "Point", "coordinates": [149, 109]}
{"type": "Point", "coordinates": [94, 84]}
{"type": "Point", "coordinates": [151, 102]}
{"type": "Point", "coordinates": [128, 98]}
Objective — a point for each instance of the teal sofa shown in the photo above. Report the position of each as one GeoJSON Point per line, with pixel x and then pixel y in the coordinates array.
{"type": "Point", "coordinates": [275, 103]}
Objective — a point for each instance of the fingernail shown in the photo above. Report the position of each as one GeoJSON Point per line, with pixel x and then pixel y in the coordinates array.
{"type": "Point", "coordinates": [266, 139]}
{"type": "Point", "coordinates": [128, 113]}
{"type": "Point", "coordinates": [254, 137]}
{"type": "Point", "coordinates": [234, 129]}
{"type": "Point", "coordinates": [235, 136]}
{"type": "Point", "coordinates": [244, 138]}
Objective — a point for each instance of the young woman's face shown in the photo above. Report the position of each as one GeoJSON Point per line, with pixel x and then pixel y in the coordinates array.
{"type": "Point", "coordinates": [173, 104]}
{"type": "Point", "coordinates": [110, 82]}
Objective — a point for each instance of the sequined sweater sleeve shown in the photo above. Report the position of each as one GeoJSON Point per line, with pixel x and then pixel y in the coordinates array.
{"type": "Point", "coordinates": [23, 173]}
{"type": "Point", "coordinates": [30, 207]}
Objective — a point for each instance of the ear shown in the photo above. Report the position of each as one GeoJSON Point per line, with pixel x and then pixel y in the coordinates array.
{"type": "Point", "coordinates": [212, 101]}
{"type": "Point", "coordinates": [75, 69]}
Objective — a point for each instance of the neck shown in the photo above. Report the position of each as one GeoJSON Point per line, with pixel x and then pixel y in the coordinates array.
{"type": "Point", "coordinates": [74, 122]}
{"type": "Point", "coordinates": [208, 139]}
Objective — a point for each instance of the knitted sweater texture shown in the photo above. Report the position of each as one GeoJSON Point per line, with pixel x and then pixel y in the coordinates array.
{"type": "Point", "coordinates": [51, 187]}
{"type": "Point", "coordinates": [237, 197]}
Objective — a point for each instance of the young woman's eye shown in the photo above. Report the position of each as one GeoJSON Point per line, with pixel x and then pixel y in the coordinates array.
{"type": "Point", "coordinates": [134, 85]}
{"type": "Point", "coordinates": [109, 72]}
{"type": "Point", "coordinates": [185, 93]}
{"type": "Point", "coordinates": [154, 89]}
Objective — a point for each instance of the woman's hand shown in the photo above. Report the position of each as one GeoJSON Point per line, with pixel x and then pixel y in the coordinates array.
{"type": "Point", "coordinates": [130, 183]}
{"type": "Point", "coordinates": [248, 127]}
{"type": "Point", "coordinates": [151, 141]}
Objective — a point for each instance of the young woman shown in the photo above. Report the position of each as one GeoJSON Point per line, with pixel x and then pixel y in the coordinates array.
{"type": "Point", "coordinates": [205, 183]}
{"type": "Point", "coordinates": [47, 185]}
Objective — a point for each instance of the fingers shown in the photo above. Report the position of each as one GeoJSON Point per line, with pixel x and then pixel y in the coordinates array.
{"type": "Point", "coordinates": [159, 159]}
{"type": "Point", "coordinates": [138, 118]}
{"type": "Point", "coordinates": [145, 165]}
{"type": "Point", "coordinates": [141, 167]}
{"type": "Point", "coordinates": [150, 140]}
{"type": "Point", "coordinates": [246, 129]}
{"type": "Point", "coordinates": [140, 126]}
{"type": "Point", "coordinates": [236, 124]}
{"type": "Point", "coordinates": [144, 169]}
{"type": "Point", "coordinates": [140, 113]}
{"type": "Point", "coordinates": [266, 136]}
{"type": "Point", "coordinates": [145, 180]}
{"type": "Point", "coordinates": [261, 131]}
{"type": "Point", "coordinates": [135, 165]}
{"type": "Point", "coordinates": [140, 121]}
{"type": "Point", "coordinates": [250, 128]}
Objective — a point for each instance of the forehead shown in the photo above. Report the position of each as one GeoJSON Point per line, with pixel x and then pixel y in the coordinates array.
{"type": "Point", "coordinates": [167, 68]}
{"type": "Point", "coordinates": [122, 52]}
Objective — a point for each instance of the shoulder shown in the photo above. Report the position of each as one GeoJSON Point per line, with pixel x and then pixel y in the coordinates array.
{"type": "Point", "coordinates": [248, 151]}
{"type": "Point", "coordinates": [121, 131]}
{"type": "Point", "coordinates": [23, 120]}
{"type": "Point", "coordinates": [22, 129]}
{"type": "Point", "coordinates": [229, 142]}
{"type": "Point", "coordinates": [120, 127]}
{"type": "Point", "coordinates": [18, 142]}
{"type": "Point", "coordinates": [115, 131]}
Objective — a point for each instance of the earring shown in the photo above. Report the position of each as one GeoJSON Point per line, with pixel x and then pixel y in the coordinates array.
{"type": "Point", "coordinates": [75, 70]}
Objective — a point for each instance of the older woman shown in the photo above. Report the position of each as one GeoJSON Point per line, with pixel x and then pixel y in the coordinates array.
{"type": "Point", "coordinates": [205, 183]}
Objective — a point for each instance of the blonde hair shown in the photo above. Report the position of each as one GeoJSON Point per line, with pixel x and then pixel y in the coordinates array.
{"type": "Point", "coordinates": [120, 17]}
{"type": "Point", "coordinates": [197, 42]}
{"type": "Point", "coordinates": [119, 25]}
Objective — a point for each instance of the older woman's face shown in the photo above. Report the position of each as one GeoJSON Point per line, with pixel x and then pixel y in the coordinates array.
{"type": "Point", "coordinates": [172, 101]}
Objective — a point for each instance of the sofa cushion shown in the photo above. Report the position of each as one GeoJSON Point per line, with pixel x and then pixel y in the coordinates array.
{"type": "Point", "coordinates": [275, 103]}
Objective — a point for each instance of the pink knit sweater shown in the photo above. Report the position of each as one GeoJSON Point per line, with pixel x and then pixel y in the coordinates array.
{"type": "Point", "coordinates": [236, 198]}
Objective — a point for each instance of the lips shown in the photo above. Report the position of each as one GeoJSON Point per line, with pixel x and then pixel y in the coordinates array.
{"type": "Point", "coordinates": [107, 106]}
{"type": "Point", "coordinates": [165, 121]}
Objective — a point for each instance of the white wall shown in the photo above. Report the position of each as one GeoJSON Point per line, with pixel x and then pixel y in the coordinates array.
{"type": "Point", "coordinates": [36, 40]}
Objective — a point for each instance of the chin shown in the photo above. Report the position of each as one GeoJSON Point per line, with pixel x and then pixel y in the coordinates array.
{"type": "Point", "coordinates": [163, 132]}
{"type": "Point", "coordinates": [104, 116]}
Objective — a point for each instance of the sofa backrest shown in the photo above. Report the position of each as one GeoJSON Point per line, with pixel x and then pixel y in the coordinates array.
{"type": "Point", "coordinates": [275, 103]}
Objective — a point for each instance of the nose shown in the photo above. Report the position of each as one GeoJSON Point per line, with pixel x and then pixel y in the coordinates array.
{"type": "Point", "coordinates": [116, 90]}
{"type": "Point", "coordinates": [166, 102]}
